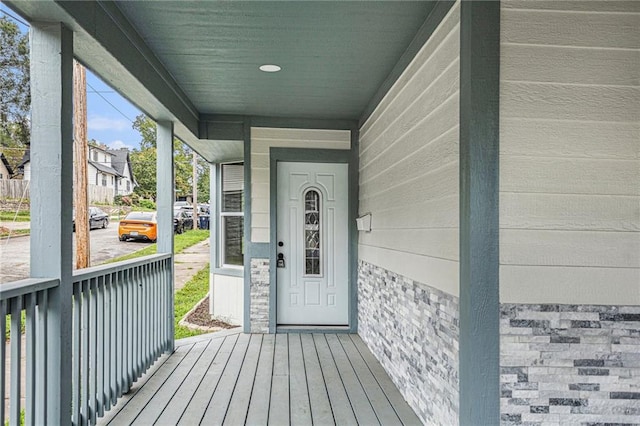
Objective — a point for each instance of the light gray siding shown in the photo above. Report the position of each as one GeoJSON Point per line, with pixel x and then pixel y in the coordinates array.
{"type": "Point", "coordinates": [262, 139]}
{"type": "Point", "coordinates": [408, 269]}
{"type": "Point", "coordinates": [570, 152]}
{"type": "Point", "coordinates": [409, 167]}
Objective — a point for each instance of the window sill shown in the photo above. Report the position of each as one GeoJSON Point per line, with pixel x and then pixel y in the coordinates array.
{"type": "Point", "coordinates": [232, 272]}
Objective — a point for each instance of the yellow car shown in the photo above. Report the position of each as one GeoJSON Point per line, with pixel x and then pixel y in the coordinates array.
{"type": "Point", "coordinates": [139, 226]}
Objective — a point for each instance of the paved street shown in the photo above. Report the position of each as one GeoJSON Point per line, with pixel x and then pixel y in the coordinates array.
{"type": "Point", "coordinates": [14, 252]}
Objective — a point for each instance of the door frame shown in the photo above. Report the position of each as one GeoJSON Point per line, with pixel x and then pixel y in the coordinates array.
{"type": "Point", "coordinates": [306, 155]}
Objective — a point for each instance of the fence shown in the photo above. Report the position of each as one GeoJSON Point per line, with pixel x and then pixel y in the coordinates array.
{"type": "Point", "coordinates": [17, 189]}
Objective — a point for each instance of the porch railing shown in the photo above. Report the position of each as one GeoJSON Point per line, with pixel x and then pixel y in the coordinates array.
{"type": "Point", "coordinates": [31, 297]}
{"type": "Point", "coordinates": [122, 322]}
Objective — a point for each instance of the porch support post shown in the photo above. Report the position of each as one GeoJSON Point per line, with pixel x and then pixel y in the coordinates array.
{"type": "Point", "coordinates": [213, 226]}
{"type": "Point", "coordinates": [479, 179]}
{"type": "Point", "coordinates": [164, 201]}
{"type": "Point", "coordinates": [51, 201]}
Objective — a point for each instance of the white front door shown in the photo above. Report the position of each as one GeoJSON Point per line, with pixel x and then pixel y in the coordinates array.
{"type": "Point", "coordinates": [312, 240]}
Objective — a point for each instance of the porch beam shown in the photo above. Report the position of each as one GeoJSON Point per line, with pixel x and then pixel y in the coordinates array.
{"type": "Point", "coordinates": [479, 343]}
{"type": "Point", "coordinates": [51, 200]}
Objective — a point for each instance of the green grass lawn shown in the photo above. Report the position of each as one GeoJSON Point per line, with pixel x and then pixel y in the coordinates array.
{"type": "Point", "coordinates": [15, 232]}
{"type": "Point", "coordinates": [186, 298]}
{"type": "Point", "coordinates": [180, 243]}
{"type": "Point", "coordinates": [22, 216]}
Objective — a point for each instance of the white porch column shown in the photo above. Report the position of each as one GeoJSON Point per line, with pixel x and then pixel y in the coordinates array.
{"type": "Point", "coordinates": [51, 200]}
{"type": "Point", "coordinates": [165, 197]}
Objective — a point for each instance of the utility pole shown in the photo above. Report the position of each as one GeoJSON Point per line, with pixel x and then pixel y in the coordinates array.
{"type": "Point", "coordinates": [80, 180]}
{"type": "Point", "coordinates": [194, 190]}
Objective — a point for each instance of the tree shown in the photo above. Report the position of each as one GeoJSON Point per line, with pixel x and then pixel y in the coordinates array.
{"type": "Point", "coordinates": [143, 161]}
{"type": "Point", "coordinates": [15, 95]}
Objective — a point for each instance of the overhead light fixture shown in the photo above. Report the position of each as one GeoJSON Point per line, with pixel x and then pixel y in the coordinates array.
{"type": "Point", "coordinates": [270, 68]}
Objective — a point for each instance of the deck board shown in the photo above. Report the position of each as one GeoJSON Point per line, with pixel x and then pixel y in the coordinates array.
{"type": "Point", "coordinates": [357, 396]}
{"type": "Point", "coordinates": [219, 403]}
{"type": "Point", "coordinates": [279, 405]}
{"type": "Point", "coordinates": [128, 413]}
{"type": "Point", "coordinates": [150, 413]}
{"type": "Point", "coordinates": [185, 392]}
{"type": "Point", "coordinates": [237, 412]}
{"type": "Point", "coordinates": [342, 411]}
{"type": "Point", "coordinates": [321, 413]}
{"type": "Point", "coordinates": [379, 402]}
{"type": "Point", "coordinates": [258, 412]}
{"type": "Point", "coordinates": [300, 409]}
{"type": "Point", "coordinates": [200, 400]}
{"type": "Point", "coordinates": [235, 379]}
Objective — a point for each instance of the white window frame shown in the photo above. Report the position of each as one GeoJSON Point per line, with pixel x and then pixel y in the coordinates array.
{"type": "Point", "coordinates": [221, 218]}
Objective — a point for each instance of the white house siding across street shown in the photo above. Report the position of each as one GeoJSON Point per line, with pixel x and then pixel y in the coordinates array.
{"type": "Point", "coordinates": [408, 264]}
{"type": "Point", "coordinates": [570, 212]}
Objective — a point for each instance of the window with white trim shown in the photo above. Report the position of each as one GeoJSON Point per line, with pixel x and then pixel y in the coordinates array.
{"type": "Point", "coordinates": [232, 215]}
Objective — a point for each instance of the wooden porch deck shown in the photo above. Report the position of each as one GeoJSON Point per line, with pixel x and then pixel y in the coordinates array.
{"type": "Point", "coordinates": [232, 378]}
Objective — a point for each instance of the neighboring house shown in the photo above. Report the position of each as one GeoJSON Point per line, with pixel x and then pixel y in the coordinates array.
{"type": "Point", "coordinates": [100, 171]}
{"type": "Point", "coordinates": [24, 168]}
{"type": "Point", "coordinates": [121, 163]}
{"type": "Point", "coordinates": [493, 146]}
{"type": "Point", "coordinates": [104, 180]}
{"type": "Point", "coordinates": [6, 172]}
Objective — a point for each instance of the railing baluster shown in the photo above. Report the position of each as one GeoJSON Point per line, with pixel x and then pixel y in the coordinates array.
{"type": "Point", "coordinates": [41, 357]}
{"type": "Point", "coordinates": [118, 332]}
{"type": "Point", "coordinates": [113, 342]}
{"type": "Point", "coordinates": [30, 335]}
{"type": "Point", "coordinates": [16, 343]}
{"type": "Point", "coordinates": [147, 320]}
{"type": "Point", "coordinates": [93, 349]}
{"type": "Point", "coordinates": [100, 348]}
{"type": "Point", "coordinates": [76, 357]}
{"type": "Point", "coordinates": [123, 334]}
{"type": "Point", "coordinates": [84, 356]}
{"type": "Point", "coordinates": [130, 320]}
{"type": "Point", "coordinates": [137, 340]}
{"type": "Point", "coordinates": [155, 297]}
{"type": "Point", "coordinates": [107, 391]}
{"type": "Point", "coordinates": [3, 341]}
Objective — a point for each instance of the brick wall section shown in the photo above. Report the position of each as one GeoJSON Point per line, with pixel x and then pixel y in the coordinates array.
{"type": "Point", "coordinates": [259, 309]}
{"type": "Point", "coordinates": [570, 364]}
{"type": "Point", "coordinates": [412, 329]}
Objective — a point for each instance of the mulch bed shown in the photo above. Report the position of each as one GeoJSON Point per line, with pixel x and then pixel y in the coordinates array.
{"type": "Point", "coordinates": [201, 316]}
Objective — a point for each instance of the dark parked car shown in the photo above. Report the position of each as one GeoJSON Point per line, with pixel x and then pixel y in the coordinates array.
{"type": "Point", "coordinates": [181, 221]}
{"type": "Point", "coordinates": [97, 219]}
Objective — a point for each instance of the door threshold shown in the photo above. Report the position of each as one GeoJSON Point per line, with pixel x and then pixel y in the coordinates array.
{"type": "Point", "coordinates": [313, 329]}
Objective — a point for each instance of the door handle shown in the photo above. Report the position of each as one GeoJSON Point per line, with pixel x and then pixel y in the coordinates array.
{"type": "Point", "coordinates": [280, 261]}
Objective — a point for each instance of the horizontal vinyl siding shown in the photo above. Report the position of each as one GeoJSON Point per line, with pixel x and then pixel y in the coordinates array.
{"type": "Point", "coordinates": [570, 152]}
{"type": "Point", "coordinates": [262, 139]}
{"type": "Point", "coordinates": [409, 167]}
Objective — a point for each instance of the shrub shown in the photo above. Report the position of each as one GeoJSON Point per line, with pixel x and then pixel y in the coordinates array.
{"type": "Point", "coordinates": [147, 204]}
{"type": "Point", "coordinates": [122, 200]}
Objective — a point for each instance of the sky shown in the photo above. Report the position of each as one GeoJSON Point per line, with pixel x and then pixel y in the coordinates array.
{"type": "Point", "coordinates": [109, 115]}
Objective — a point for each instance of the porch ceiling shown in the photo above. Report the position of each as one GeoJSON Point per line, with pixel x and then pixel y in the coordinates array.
{"type": "Point", "coordinates": [334, 55]}
{"type": "Point", "coordinates": [195, 63]}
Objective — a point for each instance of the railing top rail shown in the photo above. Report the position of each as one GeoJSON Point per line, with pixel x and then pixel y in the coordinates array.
{"type": "Point", "coordinates": [26, 286]}
{"type": "Point", "coordinates": [110, 268]}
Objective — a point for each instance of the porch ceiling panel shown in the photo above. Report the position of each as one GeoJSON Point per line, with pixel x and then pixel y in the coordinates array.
{"type": "Point", "coordinates": [334, 55]}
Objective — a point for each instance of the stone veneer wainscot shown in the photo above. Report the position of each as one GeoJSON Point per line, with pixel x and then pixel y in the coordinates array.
{"type": "Point", "coordinates": [259, 308]}
{"type": "Point", "coordinates": [570, 364]}
{"type": "Point", "coordinates": [412, 329]}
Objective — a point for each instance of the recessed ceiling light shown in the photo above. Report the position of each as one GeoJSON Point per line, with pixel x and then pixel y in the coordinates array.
{"type": "Point", "coordinates": [270, 68]}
